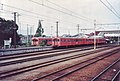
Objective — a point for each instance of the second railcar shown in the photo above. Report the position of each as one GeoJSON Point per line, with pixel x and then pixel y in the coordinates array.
{"type": "Point", "coordinates": [67, 42]}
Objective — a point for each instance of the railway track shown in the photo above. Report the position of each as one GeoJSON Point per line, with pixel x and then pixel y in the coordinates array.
{"type": "Point", "coordinates": [12, 56]}
{"type": "Point", "coordinates": [56, 75]}
{"type": "Point", "coordinates": [14, 59]}
{"type": "Point", "coordinates": [39, 65]}
{"type": "Point", "coordinates": [111, 68]}
{"type": "Point", "coordinates": [36, 57]}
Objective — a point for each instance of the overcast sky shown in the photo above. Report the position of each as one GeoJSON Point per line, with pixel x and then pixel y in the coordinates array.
{"type": "Point", "coordinates": [68, 13]}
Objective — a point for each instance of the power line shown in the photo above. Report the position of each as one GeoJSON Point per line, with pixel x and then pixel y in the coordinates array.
{"type": "Point", "coordinates": [67, 9]}
{"type": "Point", "coordinates": [109, 9]}
{"type": "Point", "coordinates": [35, 14]}
{"type": "Point", "coordinates": [26, 11]}
{"type": "Point", "coordinates": [113, 7]}
{"type": "Point", "coordinates": [31, 12]}
{"type": "Point", "coordinates": [110, 24]}
{"type": "Point", "coordinates": [38, 15]}
{"type": "Point", "coordinates": [59, 11]}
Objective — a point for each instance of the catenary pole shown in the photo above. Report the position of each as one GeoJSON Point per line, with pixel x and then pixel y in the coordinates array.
{"type": "Point", "coordinates": [94, 34]}
{"type": "Point", "coordinates": [57, 29]}
{"type": "Point", "coordinates": [15, 29]}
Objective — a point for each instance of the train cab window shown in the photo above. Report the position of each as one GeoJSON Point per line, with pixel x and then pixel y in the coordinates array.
{"type": "Point", "coordinates": [34, 40]}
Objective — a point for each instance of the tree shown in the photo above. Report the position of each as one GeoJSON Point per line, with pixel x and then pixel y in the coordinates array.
{"type": "Point", "coordinates": [40, 30]}
{"type": "Point", "coordinates": [7, 30]}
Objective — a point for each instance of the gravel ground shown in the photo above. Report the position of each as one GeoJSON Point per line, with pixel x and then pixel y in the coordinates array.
{"type": "Point", "coordinates": [19, 65]}
{"type": "Point", "coordinates": [83, 74]}
{"type": "Point", "coordinates": [88, 72]}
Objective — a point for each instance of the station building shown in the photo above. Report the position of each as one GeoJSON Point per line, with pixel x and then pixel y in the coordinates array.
{"type": "Point", "coordinates": [112, 36]}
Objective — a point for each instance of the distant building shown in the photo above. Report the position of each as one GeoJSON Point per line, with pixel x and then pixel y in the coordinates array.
{"type": "Point", "coordinates": [111, 35]}
{"type": "Point", "coordinates": [25, 39]}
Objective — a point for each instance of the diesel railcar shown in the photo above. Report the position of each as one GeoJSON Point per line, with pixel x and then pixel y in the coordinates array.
{"type": "Point", "coordinates": [69, 41]}
{"type": "Point", "coordinates": [36, 41]}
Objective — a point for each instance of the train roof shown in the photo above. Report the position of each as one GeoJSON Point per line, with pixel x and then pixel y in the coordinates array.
{"type": "Point", "coordinates": [78, 38]}
{"type": "Point", "coordinates": [43, 37]}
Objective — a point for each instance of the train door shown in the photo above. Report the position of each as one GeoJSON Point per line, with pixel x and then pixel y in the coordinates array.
{"type": "Point", "coordinates": [55, 42]}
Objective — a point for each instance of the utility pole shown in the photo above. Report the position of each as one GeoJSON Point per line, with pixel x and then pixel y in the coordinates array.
{"type": "Point", "coordinates": [30, 35]}
{"type": "Point", "coordinates": [19, 24]}
{"type": "Point", "coordinates": [94, 34]}
{"type": "Point", "coordinates": [27, 35]}
{"type": "Point", "coordinates": [78, 30]}
{"type": "Point", "coordinates": [57, 29]}
{"type": "Point", "coordinates": [14, 29]}
{"type": "Point", "coordinates": [118, 36]}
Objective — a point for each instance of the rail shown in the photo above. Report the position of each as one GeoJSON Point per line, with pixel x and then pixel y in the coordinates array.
{"type": "Point", "coordinates": [94, 79]}
{"type": "Point", "coordinates": [23, 50]}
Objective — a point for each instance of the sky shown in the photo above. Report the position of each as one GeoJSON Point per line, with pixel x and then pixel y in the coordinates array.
{"type": "Point", "coordinates": [68, 13]}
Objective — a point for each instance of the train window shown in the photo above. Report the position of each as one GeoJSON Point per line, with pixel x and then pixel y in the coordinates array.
{"type": "Point", "coordinates": [88, 40]}
{"type": "Point", "coordinates": [64, 40]}
{"type": "Point", "coordinates": [80, 40]}
{"type": "Point", "coordinates": [34, 40]}
{"type": "Point", "coordinates": [69, 40]}
{"type": "Point", "coordinates": [72, 40]}
{"type": "Point", "coordinates": [53, 39]}
{"type": "Point", "coordinates": [56, 40]}
{"type": "Point", "coordinates": [76, 40]}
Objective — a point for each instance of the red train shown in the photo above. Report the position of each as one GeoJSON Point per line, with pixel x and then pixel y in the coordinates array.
{"type": "Point", "coordinates": [67, 42]}
{"type": "Point", "coordinates": [36, 41]}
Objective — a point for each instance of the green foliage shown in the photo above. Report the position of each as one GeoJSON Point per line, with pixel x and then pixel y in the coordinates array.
{"type": "Point", "coordinates": [7, 30]}
{"type": "Point", "coordinates": [40, 30]}
{"type": "Point", "coordinates": [43, 43]}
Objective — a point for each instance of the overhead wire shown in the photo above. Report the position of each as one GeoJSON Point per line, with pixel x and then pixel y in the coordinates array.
{"type": "Point", "coordinates": [26, 11]}
{"type": "Point", "coordinates": [57, 19]}
{"type": "Point", "coordinates": [90, 20]}
{"type": "Point", "coordinates": [112, 7]}
{"type": "Point", "coordinates": [59, 11]}
{"type": "Point", "coordinates": [67, 9]}
{"type": "Point", "coordinates": [109, 9]}
{"type": "Point", "coordinates": [44, 15]}
{"type": "Point", "coordinates": [25, 22]}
